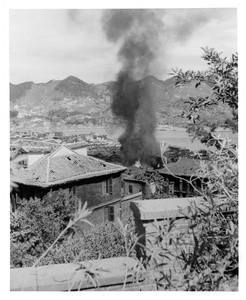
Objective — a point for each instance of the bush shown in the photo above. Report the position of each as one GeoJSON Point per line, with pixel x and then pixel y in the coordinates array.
{"type": "Point", "coordinates": [35, 225]}
{"type": "Point", "coordinates": [104, 242]}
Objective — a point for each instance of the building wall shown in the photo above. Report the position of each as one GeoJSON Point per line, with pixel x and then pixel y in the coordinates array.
{"type": "Point", "coordinates": [151, 233]}
{"type": "Point", "coordinates": [90, 190]}
{"type": "Point", "coordinates": [63, 151]}
{"type": "Point", "coordinates": [81, 151]}
{"type": "Point", "coordinates": [100, 215]}
{"type": "Point", "coordinates": [32, 158]}
{"type": "Point", "coordinates": [148, 231]}
{"type": "Point", "coordinates": [181, 187]}
{"type": "Point", "coordinates": [136, 187]}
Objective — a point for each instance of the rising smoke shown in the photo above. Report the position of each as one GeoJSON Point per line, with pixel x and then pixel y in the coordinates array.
{"type": "Point", "coordinates": [138, 33]}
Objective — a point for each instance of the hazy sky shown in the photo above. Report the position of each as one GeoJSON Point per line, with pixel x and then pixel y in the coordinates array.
{"type": "Point", "coordinates": [47, 44]}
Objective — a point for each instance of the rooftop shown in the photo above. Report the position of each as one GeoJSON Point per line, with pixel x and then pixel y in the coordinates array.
{"type": "Point", "coordinates": [77, 145]}
{"type": "Point", "coordinates": [34, 149]}
{"type": "Point", "coordinates": [164, 208]}
{"type": "Point", "coordinates": [183, 167]}
{"type": "Point", "coordinates": [64, 165]}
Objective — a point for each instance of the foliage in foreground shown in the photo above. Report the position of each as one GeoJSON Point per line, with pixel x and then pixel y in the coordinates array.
{"type": "Point", "coordinates": [37, 225]}
{"type": "Point", "coordinates": [200, 251]}
{"type": "Point", "coordinates": [105, 241]}
{"type": "Point", "coordinates": [222, 76]}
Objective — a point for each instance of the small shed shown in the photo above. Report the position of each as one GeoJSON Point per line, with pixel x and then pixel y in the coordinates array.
{"type": "Point", "coordinates": [152, 215]}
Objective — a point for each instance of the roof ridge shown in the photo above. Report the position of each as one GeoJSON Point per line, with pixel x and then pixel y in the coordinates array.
{"type": "Point", "coordinates": [100, 160]}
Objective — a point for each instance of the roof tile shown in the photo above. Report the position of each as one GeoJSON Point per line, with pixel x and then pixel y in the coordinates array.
{"type": "Point", "coordinates": [51, 170]}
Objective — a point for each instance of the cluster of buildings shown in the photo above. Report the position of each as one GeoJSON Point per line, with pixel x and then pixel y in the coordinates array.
{"type": "Point", "coordinates": [49, 163]}
{"type": "Point", "coordinates": [48, 167]}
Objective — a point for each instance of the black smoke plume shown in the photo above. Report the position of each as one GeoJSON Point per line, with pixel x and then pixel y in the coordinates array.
{"type": "Point", "coordinates": [138, 32]}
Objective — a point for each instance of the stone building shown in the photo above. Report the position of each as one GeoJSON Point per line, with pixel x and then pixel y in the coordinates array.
{"type": "Point", "coordinates": [89, 179]}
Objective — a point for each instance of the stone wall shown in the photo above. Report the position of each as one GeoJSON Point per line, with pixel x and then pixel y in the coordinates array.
{"type": "Point", "coordinates": [68, 277]}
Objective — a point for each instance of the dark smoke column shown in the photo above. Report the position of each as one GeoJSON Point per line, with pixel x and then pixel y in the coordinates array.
{"type": "Point", "coordinates": [138, 32]}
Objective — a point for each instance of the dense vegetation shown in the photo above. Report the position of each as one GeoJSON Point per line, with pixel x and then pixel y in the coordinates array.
{"type": "Point", "coordinates": [37, 223]}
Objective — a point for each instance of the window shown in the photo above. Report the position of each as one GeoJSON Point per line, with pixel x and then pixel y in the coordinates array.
{"type": "Point", "coordinates": [171, 188]}
{"type": "Point", "coordinates": [111, 213]}
{"type": "Point", "coordinates": [180, 185]}
{"type": "Point", "coordinates": [165, 187]}
{"type": "Point", "coordinates": [23, 163]}
{"type": "Point", "coordinates": [108, 187]}
{"type": "Point", "coordinates": [130, 189]}
{"type": "Point", "coordinates": [184, 186]}
{"type": "Point", "coordinates": [73, 190]}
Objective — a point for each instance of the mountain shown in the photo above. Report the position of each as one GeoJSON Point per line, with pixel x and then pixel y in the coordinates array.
{"type": "Point", "coordinates": [74, 87]}
{"type": "Point", "coordinates": [69, 102]}
{"type": "Point", "coordinates": [19, 90]}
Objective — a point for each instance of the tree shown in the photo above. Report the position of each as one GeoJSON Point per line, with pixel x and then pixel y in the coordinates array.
{"type": "Point", "coordinates": [222, 76]}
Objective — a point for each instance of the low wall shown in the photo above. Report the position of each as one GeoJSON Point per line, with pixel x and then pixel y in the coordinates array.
{"type": "Point", "coordinates": [110, 275]}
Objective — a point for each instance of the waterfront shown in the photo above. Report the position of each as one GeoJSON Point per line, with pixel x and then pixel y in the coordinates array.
{"type": "Point", "coordinates": [174, 137]}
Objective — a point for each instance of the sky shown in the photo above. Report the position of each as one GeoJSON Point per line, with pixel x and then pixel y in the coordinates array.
{"type": "Point", "coordinates": [47, 44]}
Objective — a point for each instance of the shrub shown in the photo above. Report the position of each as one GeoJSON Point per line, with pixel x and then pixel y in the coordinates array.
{"type": "Point", "coordinates": [104, 242]}
{"type": "Point", "coordinates": [35, 225]}
{"type": "Point", "coordinates": [38, 223]}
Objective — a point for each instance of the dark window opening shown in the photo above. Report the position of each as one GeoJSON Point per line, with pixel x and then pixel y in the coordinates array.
{"type": "Point", "coordinates": [171, 188]}
{"type": "Point", "coordinates": [111, 213]}
{"type": "Point", "coordinates": [130, 189]}
{"type": "Point", "coordinates": [108, 187]}
{"type": "Point", "coordinates": [73, 190]}
{"type": "Point", "coordinates": [23, 163]}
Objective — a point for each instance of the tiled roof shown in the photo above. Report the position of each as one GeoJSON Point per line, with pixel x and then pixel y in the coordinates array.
{"type": "Point", "coordinates": [184, 166]}
{"type": "Point", "coordinates": [35, 145]}
{"type": "Point", "coordinates": [34, 149]}
{"type": "Point", "coordinates": [77, 145]}
{"type": "Point", "coordinates": [53, 169]}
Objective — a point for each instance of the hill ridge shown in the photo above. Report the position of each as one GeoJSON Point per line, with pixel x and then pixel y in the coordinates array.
{"type": "Point", "coordinates": [72, 101]}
